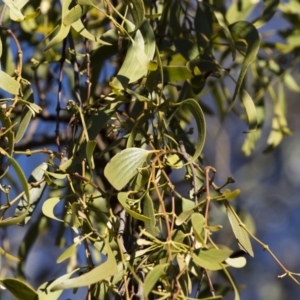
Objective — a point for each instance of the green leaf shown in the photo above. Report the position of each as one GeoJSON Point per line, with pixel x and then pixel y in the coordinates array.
{"type": "Point", "coordinates": [67, 253]}
{"type": "Point", "coordinates": [122, 197]}
{"type": "Point", "coordinates": [211, 259]}
{"type": "Point", "coordinates": [15, 12]}
{"type": "Point", "coordinates": [250, 110]}
{"type": "Point", "coordinates": [124, 166]}
{"type": "Point", "coordinates": [270, 7]}
{"type": "Point", "coordinates": [148, 211]}
{"type": "Point", "coordinates": [237, 262]}
{"type": "Point", "coordinates": [75, 14]}
{"type": "Point", "coordinates": [137, 59]}
{"type": "Point", "coordinates": [246, 34]}
{"type": "Point", "coordinates": [49, 206]}
{"type": "Point", "coordinates": [44, 291]}
{"type": "Point", "coordinates": [152, 277]}
{"type": "Point", "coordinates": [20, 289]}
{"type": "Point", "coordinates": [59, 37]}
{"type": "Point", "coordinates": [99, 273]}
{"type": "Point", "coordinates": [229, 195]}
{"type": "Point", "coordinates": [176, 73]}
{"type": "Point", "coordinates": [28, 202]}
{"type": "Point", "coordinates": [9, 84]}
{"type": "Point", "coordinates": [90, 147]}
{"type": "Point", "coordinates": [239, 232]}
{"type": "Point", "coordinates": [137, 10]}
{"type": "Point", "coordinates": [195, 109]}
{"type": "Point", "coordinates": [24, 122]}
{"type": "Point", "coordinates": [198, 222]}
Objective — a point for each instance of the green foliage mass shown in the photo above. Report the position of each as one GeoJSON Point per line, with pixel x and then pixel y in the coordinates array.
{"type": "Point", "coordinates": [113, 142]}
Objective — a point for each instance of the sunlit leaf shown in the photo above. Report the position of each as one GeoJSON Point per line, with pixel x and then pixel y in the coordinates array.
{"type": "Point", "coordinates": [246, 34]}
{"type": "Point", "coordinates": [152, 277]}
{"type": "Point", "coordinates": [99, 273]}
{"type": "Point", "coordinates": [15, 12]}
{"type": "Point", "coordinates": [239, 232]}
{"type": "Point", "coordinates": [49, 206]}
{"type": "Point", "coordinates": [45, 290]}
{"type": "Point", "coordinates": [211, 259]}
{"type": "Point", "coordinates": [198, 222]}
{"type": "Point", "coordinates": [124, 166]}
{"type": "Point", "coordinates": [194, 108]}
{"type": "Point", "coordinates": [9, 84]}
{"type": "Point", "coordinates": [237, 262]}
{"type": "Point", "coordinates": [148, 211]}
{"type": "Point", "coordinates": [70, 251]}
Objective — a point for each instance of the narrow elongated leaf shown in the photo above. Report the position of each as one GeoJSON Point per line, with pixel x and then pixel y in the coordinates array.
{"type": "Point", "coordinates": [20, 289]}
{"type": "Point", "coordinates": [148, 211]}
{"type": "Point", "coordinates": [49, 206]}
{"type": "Point", "coordinates": [124, 166]}
{"type": "Point", "coordinates": [75, 14]}
{"type": "Point", "coordinates": [24, 122]}
{"type": "Point", "coordinates": [15, 10]}
{"type": "Point", "coordinates": [152, 277]}
{"type": "Point", "coordinates": [9, 84]}
{"type": "Point", "coordinates": [211, 259]}
{"type": "Point", "coordinates": [240, 234]}
{"type": "Point", "coordinates": [44, 291]}
{"type": "Point", "coordinates": [195, 109]}
{"type": "Point", "coordinates": [22, 180]}
{"type": "Point", "coordinates": [250, 110]}
{"type": "Point", "coordinates": [28, 203]}
{"type": "Point", "coordinates": [135, 64]}
{"type": "Point", "coordinates": [122, 197]}
{"type": "Point", "coordinates": [245, 33]}
{"type": "Point", "coordinates": [99, 273]}
{"type": "Point", "coordinates": [270, 7]}
{"type": "Point", "coordinates": [137, 10]}
{"type": "Point", "coordinates": [9, 256]}
{"type": "Point", "coordinates": [67, 253]}
{"type": "Point", "coordinates": [198, 222]}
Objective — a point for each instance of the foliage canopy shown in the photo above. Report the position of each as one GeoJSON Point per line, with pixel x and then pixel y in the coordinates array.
{"type": "Point", "coordinates": [112, 94]}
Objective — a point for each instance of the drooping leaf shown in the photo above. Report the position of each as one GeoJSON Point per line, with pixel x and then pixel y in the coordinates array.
{"type": "Point", "coordinates": [237, 262]}
{"type": "Point", "coordinates": [70, 251]}
{"type": "Point", "coordinates": [194, 108]}
{"type": "Point", "coordinates": [148, 211]}
{"type": "Point", "coordinates": [211, 259]}
{"type": "Point", "coordinates": [239, 232]}
{"type": "Point", "coordinates": [138, 56]}
{"type": "Point", "coordinates": [152, 277]}
{"type": "Point", "coordinates": [15, 12]}
{"type": "Point", "coordinates": [198, 222]}
{"type": "Point", "coordinates": [45, 290]}
{"type": "Point", "coordinates": [247, 41]}
{"type": "Point", "coordinates": [250, 109]}
{"type": "Point", "coordinates": [124, 166]}
{"type": "Point", "coordinates": [9, 84]}
{"type": "Point", "coordinates": [270, 7]}
{"type": "Point", "coordinates": [90, 147]}
{"type": "Point", "coordinates": [28, 203]}
{"type": "Point", "coordinates": [99, 273]}
{"type": "Point", "coordinates": [75, 14]}
{"type": "Point", "coordinates": [137, 10]}
{"type": "Point", "coordinates": [19, 289]}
